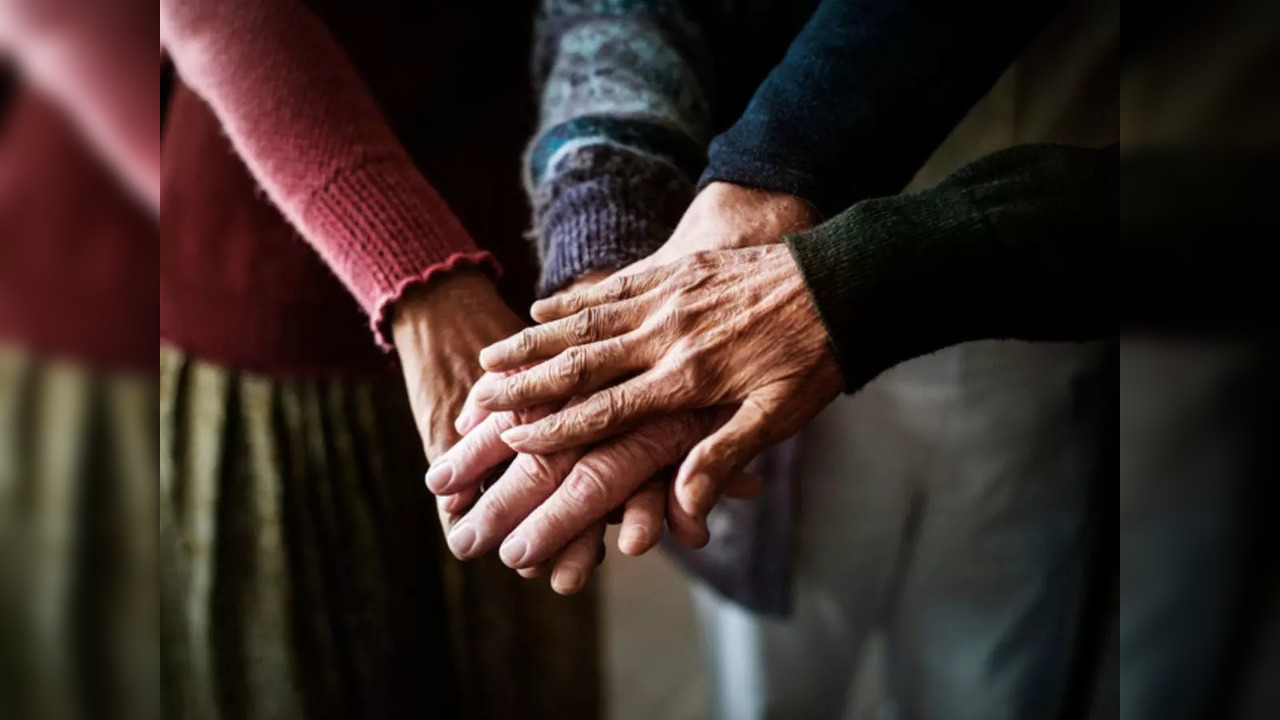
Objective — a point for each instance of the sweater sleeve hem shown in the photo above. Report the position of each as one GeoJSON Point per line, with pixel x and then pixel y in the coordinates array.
{"type": "Point", "coordinates": [380, 318]}
{"type": "Point", "coordinates": [765, 176]}
{"type": "Point", "coordinates": [607, 208]}
{"type": "Point", "coordinates": [873, 272]}
{"type": "Point", "coordinates": [380, 224]}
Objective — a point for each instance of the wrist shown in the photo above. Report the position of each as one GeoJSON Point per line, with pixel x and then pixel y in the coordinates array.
{"type": "Point", "coordinates": [454, 294]}
{"type": "Point", "coordinates": [587, 279]}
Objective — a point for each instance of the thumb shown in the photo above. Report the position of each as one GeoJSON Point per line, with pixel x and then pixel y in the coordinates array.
{"type": "Point", "coordinates": [720, 457]}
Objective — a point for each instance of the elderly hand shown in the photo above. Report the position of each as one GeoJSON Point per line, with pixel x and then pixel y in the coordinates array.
{"type": "Point", "coordinates": [725, 216]}
{"type": "Point", "coordinates": [530, 480]}
{"type": "Point", "coordinates": [730, 328]}
{"type": "Point", "coordinates": [438, 330]}
{"type": "Point", "coordinates": [541, 504]}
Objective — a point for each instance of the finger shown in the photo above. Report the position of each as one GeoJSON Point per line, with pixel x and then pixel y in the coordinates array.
{"type": "Point", "coordinates": [451, 509]}
{"type": "Point", "coordinates": [614, 289]}
{"type": "Point", "coordinates": [459, 503]}
{"type": "Point", "coordinates": [545, 341]}
{"type": "Point", "coordinates": [471, 414]}
{"type": "Point", "coordinates": [743, 485]}
{"type": "Point", "coordinates": [530, 573]}
{"type": "Point", "coordinates": [576, 371]}
{"type": "Point", "coordinates": [692, 531]}
{"type": "Point", "coordinates": [602, 414]}
{"type": "Point", "coordinates": [724, 452]}
{"type": "Point", "coordinates": [603, 479]}
{"type": "Point", "coordinates": [687, 530]}
{"type": "Point", "coordinates": [525, 485]}
{"type": "Point", "coordinates": [642, 519]}
{"type": "Point", "coordinates": [578, 561]}
{"type": "Point", "coordinates": [479, 451]}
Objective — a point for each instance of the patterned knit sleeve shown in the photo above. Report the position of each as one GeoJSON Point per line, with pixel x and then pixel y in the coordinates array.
{"type": "Point", "coordinates": [622, 132]}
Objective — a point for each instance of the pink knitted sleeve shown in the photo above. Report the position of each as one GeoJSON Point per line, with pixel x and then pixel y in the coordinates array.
{"type": "Point", "coordinates": [100, 62]}
{"type": "Point", "coordinates": [301, 118]}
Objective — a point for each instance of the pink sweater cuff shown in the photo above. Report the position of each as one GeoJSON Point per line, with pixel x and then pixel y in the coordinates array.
{"type": "Point", "coordinates": [393, 231]}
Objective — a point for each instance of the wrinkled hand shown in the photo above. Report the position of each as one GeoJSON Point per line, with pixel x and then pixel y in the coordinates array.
{"type": "Point", "coordinates": [725, 216]}
{"type": "Point", "coordinates": [438, 330]}
{"type": "Point", "coordinates": [730, 328]}
{"type": "Point", "coordinates": [456, 478]}
{"type": "Point", "coordinates": [543, 503]}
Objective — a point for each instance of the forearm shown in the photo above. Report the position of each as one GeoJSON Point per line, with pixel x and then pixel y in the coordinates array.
{"type": "Point", "coordinates": [313, 136]}
{"type": "Point", "coordinates": [622, 133]}
{"type": "Point", "coordinates": [866, 92]}
{"type": "Point", "coordinates": [1050, 243]}
{"type": "Point", "coordinates": [100, 61]}
{"type": "Point", "coordinates": [1019, 244]}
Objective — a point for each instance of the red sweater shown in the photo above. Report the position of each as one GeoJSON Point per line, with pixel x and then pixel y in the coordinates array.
{"type": "Point", "coordinates": [239, 284]}
{"type": "Point", "coordinates": [298, 113]}
{"type": "Point", "coordinates": [319, 107]}
{"type": "Point", "coordinates": [77, 254]}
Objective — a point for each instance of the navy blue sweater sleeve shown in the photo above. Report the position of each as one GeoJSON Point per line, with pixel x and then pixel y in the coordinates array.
{"type": "Point", "coordinates": [872, 85]}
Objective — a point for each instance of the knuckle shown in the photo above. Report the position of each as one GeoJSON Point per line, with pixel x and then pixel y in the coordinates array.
{"type": "Point", "coordinates": [554, 426]}
{"type": "Point", "coordinates": [676, 314]}
{"type": "Point", "coordinates": [613, 405]}
{"type": "Point", "coordinates": [539, 474]}
{"type": "Point", "coordinates": [683, 381]}
{"type": "Point", "coordinates": [572, 366]}
{"type": "Point", "coordinates": [586, 487]}
{"type": "Point", "coordinates": [564, 305]}
{"type": "Point", "coordinates": [513, 386]}
{"type": "Point", "coordinates": [581, 328]}
{"type": "Point", "coordinates": [622, 287]}
{"type": "Point", "coordinates": [523, 342]}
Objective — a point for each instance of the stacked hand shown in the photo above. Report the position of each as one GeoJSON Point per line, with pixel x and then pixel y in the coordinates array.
{"type": "Point", "coordinates": [727, 356]}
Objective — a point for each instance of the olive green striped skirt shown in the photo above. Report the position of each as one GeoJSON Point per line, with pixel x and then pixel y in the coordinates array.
{"type": "Point", "coordinates": [282, 561]}
{"type": "Point", "coordinates": [79, 629]}
{"type": "Point", "coordinates": [304, 576]}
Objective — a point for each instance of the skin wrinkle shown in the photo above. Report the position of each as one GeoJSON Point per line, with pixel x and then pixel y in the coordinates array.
{"type": "Point", "coordinates": [739, 326]}
{"type": "Point", "coordinates": [722, 216]}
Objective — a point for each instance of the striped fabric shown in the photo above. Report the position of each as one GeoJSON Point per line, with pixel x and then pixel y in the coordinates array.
{"type": "Point", "coordinates": [303, 575]}
{"type": "Point", "coordinates": [298, 573]}
{"type": "Point", "coordinates": [79, 634]}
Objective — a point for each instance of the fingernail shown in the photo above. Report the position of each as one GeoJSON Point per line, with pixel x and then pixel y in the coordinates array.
{"type": "Point", "coordinates": [699, 492]}
{"type": "Point", "coordinates": [438, 476]}
{"type": "Point", "coordinates": [516, 435]}
{"type": "Point", "coordinates": [632, 539]}
{"type": "Point", "coordinates": [491, 356]}
{"type": "Point", "coordinates": [513, 551]}
{"type": "Point", "coordinates": [486, 388]}
{"type": "Point", "coordinates": [566, 581]}
{"type": "Point", "coordinates": [463, 423]}
{"type": "Point", "coordinates": [462, 539]}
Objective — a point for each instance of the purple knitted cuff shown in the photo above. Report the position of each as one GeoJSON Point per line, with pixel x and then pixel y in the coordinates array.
{"type": "Point", "coordinates": [602, 209]}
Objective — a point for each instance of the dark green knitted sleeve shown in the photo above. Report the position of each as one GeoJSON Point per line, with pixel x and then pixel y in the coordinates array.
{"type": "Point", "coordinates": [1018, 244]}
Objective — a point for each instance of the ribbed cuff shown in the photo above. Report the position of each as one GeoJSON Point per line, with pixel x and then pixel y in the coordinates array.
{"type": "Point", "coordinates": [385, 229]}
{"type": "Point", "coordinates": [875, 271]}
{"type": "Point", "coordinates": [605, 215]}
